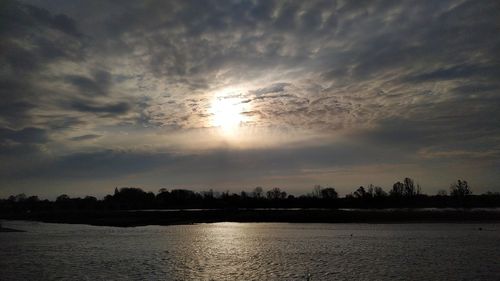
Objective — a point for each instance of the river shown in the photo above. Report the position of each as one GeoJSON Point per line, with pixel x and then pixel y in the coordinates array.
{"type": "Point", "coordinates": [251, 251]}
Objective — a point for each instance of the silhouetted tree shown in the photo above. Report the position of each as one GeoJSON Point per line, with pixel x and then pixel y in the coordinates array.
{"type": "Point", "coordinates": [409, 188]}
{"type": "Point", "coordinates": [133, 198]}
{"type": "Point", "coordinates": [225, 195]}
{"type": "Point", "coordinates": [21, 197]}
{"type": "Point", "coordinates": [257, 192]}
{"type": "Point", "coordinates": [182, 195]}
{"type": "Point", "coordinates": [397, 189]}
{"type": "Point", "coordinates": [90, 199]}
{"type": "Point", "coordinates": [62, 198]}
{"type": "Point", "coordinates": [370, 191]}
{"type": "Point", "coordinates": [379, 192]}
{"type": "Point", "coordinates": [442, 192]}
{"type": "Point", "coordinates": [403, 194]}
{"type": "Point", "coordinates": [460, 193]}
{"type": "Point", "coordinates": [275, 194]}
{"type": "Point", "coordinates": [208, 194]}
{"type": "Point", "coordinates": [460, 189]}
{"type": "Point", "coordinates": [63, 201]}
{"type": "Point", "coordinates": [243, 195]}
{"type": "Point", "coordinates": [163, 198]}
{"type": "Point", "coordinates": [316, 192]}
{"type": "Point", "coordinates": [359, 193]}
{"type": "Point", "coordinates": [329, 193]}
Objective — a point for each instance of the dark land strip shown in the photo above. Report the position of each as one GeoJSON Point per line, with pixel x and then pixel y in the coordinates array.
{"type": "Point", "coordinates": [152, 217]}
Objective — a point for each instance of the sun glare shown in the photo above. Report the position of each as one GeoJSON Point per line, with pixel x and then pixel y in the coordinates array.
{"type": "Point", "coordinates": [227, 114]}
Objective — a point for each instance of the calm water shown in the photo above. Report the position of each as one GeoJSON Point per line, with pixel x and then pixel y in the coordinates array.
{"type": "Point", "coordinates": [251, 251]}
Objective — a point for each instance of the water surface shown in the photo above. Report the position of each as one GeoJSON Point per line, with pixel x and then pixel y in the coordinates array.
{"type": "Point", "coordinates": [251, 251]}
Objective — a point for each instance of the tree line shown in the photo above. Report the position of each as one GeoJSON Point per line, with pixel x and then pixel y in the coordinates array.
{"type": "Point", "coordinates": [403, 194]}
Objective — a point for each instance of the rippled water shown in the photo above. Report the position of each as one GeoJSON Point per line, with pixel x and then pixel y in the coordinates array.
{"type": "Point", "coordinates": [251, 251]}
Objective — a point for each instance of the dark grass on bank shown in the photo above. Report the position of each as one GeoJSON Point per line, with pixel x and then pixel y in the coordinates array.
{"type": "Point", "coordinates": [141, 218]}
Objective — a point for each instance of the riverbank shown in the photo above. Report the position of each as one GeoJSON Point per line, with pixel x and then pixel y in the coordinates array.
{"type": "Point", "coordinates": [152, 217]}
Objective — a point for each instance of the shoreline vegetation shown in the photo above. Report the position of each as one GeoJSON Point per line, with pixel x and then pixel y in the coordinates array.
{"type": "Point", "coordinates": [129, 206]}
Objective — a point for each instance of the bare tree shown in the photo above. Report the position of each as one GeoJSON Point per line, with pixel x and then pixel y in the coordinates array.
{"type": "Point", "coordinates": [316, 193]}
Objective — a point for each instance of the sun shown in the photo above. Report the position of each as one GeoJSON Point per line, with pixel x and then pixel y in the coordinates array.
{"type": "Point", "coordinates": [227, 114]}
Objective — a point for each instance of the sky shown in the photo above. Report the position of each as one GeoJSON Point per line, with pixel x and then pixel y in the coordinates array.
{"type": "Point", "coordinates": [230, 95]}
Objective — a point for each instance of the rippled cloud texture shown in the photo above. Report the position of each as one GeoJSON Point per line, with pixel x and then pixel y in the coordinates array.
{"type": "Point", "coordinates": [97, 94]}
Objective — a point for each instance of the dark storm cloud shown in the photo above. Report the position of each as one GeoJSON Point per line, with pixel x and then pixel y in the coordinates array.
{"type": "Point", "coordinates": [408, 78]}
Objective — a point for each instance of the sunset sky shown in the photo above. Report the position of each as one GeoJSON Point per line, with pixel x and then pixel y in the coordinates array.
{"type": "Point", "coordinates": [231, 95]}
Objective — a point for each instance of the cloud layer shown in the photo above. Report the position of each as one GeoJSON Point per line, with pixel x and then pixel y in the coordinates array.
{"type": "Point", "coordinates": [94, 91]}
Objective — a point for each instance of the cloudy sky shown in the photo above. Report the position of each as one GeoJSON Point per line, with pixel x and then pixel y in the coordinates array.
{"type": "Point", "coordinates": [231, 95]}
